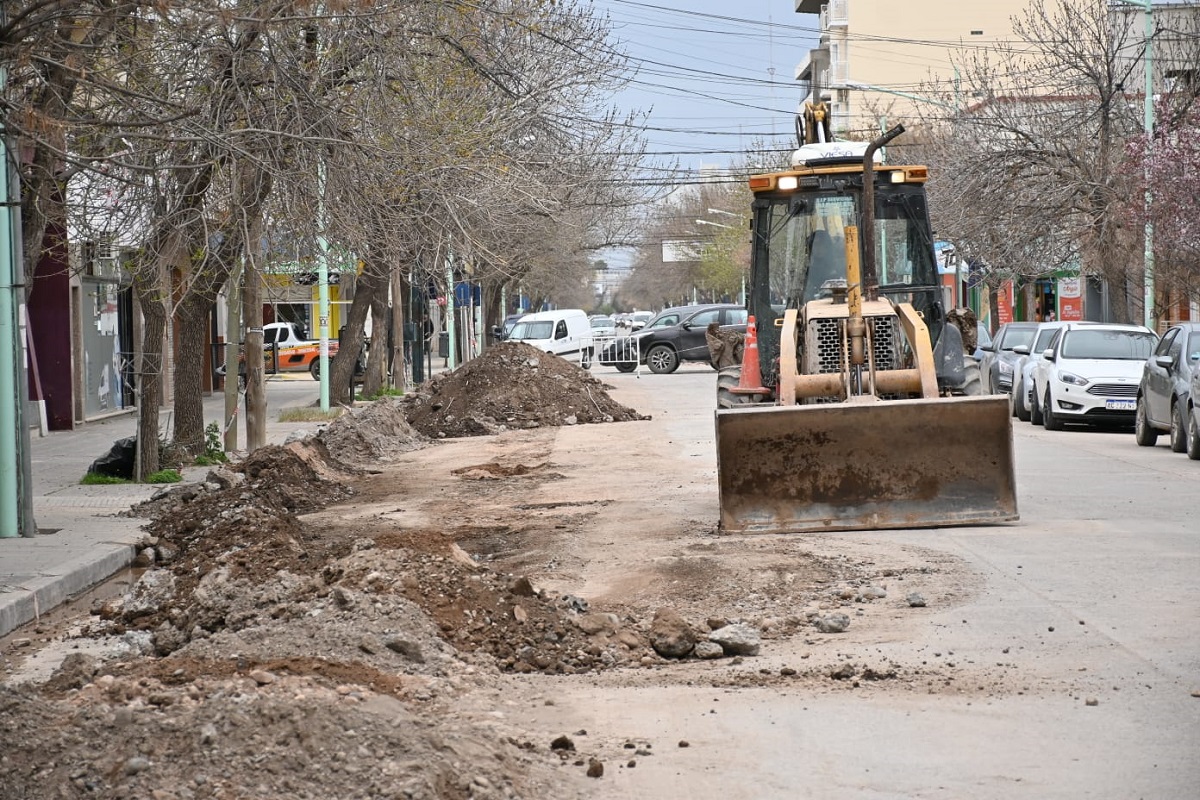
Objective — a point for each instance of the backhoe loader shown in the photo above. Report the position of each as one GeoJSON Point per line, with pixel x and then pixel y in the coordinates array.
{"type": "Point", "coordinates": [848, 411]}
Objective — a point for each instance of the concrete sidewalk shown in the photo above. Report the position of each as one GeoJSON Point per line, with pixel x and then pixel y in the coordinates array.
{"type": "Point", "coordinates": [82, 541]}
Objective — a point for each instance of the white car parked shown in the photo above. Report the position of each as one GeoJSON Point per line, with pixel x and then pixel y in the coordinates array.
{"type": "Point", "coordinates": [1090, 373]}
{"type": "Point", "coordinates": [1022, 397]}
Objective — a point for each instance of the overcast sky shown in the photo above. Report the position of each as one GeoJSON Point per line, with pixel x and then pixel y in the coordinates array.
{"type": "Point", "coordinates": [713, 74]}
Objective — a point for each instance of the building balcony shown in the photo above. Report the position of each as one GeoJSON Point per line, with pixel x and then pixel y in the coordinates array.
{"type": "Point", "coordinates": [839, 73]}
{"type": "Point", "coordinates": [837, 13]}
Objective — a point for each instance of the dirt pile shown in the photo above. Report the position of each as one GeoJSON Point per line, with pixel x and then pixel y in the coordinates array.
{"type": "Point", "coordinates": [372, 434]}
{"type": "Point", "coordinates": [511, 385]}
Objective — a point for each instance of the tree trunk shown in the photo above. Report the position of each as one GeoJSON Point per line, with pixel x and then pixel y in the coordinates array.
{"type": "Point", "coordinates": [252, 314]}
{"type": "Point", "coordinates": [341, 369]}
{"type": "Point", "coordinates": [191, 325]}
{"type": "Point", "coordinates": [149, 380]}
{"type": "Point", "coordinates": [377, 356]}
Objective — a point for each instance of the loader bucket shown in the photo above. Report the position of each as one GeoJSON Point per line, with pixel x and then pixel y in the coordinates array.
{"type": "Point", "coordinates": [863, 466]}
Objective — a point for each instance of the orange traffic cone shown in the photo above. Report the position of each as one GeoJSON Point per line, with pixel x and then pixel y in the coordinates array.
{"type": "Point", "coordinates": [751, 378]}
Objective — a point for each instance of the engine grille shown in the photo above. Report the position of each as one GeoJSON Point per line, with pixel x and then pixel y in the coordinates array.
{"type": "Point", "coordinates": [1114, 389]}
{"type": "Point", "coordinates": [826, 337]}
{"type": "Point", "coordinates": [885, 334]}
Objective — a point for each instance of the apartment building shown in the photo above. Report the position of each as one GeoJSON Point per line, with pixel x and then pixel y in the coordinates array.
{"type": "Point", "coordinates": [879, 56]}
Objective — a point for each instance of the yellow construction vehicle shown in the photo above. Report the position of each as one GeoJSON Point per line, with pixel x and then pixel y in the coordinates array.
{"type": "Point", "coordinates": [852, 407]}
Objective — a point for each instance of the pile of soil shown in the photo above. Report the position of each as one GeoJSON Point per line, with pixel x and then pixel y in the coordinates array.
{"type": "Point", "coordinates": [511, 385]}
{"type": "Point", "coordinates": [378, 432]}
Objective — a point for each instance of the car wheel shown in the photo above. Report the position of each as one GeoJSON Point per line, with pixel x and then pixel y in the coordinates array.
{"type": "Point", "coordinates": [1050, 420]}
{"type": "Point", "coordinates": [662, 360]}
{"type": "Point", "coordinates": [1193, 436]}
{"type": "Point", "coordinates": [1178, 429]}
{"type": "Point", "coordinates": [1146, 436]}
{"type": "Point", "coordinates": [625, 367]}
{"type": "Point", "coordinates": [314, 369]}
{"type": "Point", "coordinates": [1035, 408]}
{"type": "Point", "coordinates": [585, 358]}
{"type": "Point", "coordinates": [1014, 399]}
{"type": "Point", "coordinates": [1020, 395]}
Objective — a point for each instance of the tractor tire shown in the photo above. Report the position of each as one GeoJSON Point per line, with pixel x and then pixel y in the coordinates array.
{"type": "Point", "coordinates": [727, 379]}
{"type": "Point", "coordinates": [1145, 435]}
{"type": "Point", "coordinates": [1193, 436]}
{"type": "Point", "coordinates": [1179, 428]}
{"type": "Point", "coordinates": [973, 378]}
{"type": "Point", "coordinates": [1050, 420]}
{"type": "Point", "coordinates": [662, 360]}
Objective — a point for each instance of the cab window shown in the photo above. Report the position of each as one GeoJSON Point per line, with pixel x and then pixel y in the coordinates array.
{"type": "Point", "coordinates": [560, 330]}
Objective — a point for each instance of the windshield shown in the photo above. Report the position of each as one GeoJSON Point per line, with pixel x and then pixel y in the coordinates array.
{"type": "Point", "coordinates": [1015, 337]}
{"type": "Point", "coordinates": [806, 246]}
{"type": "Point", "coordinates": [1119, 345]}
{"type": "Point", "coordinates": [602, 322]}
{"type": "Point", "coordinates": [533, 330]}
{"type": "Point", "coordinates": [665, 320]}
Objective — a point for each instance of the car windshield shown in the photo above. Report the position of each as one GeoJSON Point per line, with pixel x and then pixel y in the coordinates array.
{"type": "Point", "coordinates": [602, 322]}
{"type": "Point", "coordinates": [665, 321]}
{"type": "Point", "coordinates": [542, 329]}
{"type": "Point", "coordinates": [1015, 337]}
{"type": "Point", "coordinates": [1119, 345]}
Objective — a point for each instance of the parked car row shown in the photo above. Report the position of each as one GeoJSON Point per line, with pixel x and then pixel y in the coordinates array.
{"type": "Point", "coordinates": [1101, 373]}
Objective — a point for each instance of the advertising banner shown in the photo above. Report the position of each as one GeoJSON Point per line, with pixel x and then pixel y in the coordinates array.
{"type": "Point", "coordinates": [1070, 299]}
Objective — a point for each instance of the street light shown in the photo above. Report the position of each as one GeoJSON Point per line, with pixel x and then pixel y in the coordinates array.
{"type": "Point", "coordinates": [729, 228]}
{"type": "Point", "coordinates": [1147, 7]}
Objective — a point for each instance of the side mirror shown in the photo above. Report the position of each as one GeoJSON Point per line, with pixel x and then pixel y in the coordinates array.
{"type": "Point", "coordinates": [1048, 354]}
{"type": "Point", "coordinates": [1021, 349]}
{"type": "Point", "coordinates": [497, 332]}
{"type": "Point", "coordinates": [687, 326]}
{"type": "Point", "coordinates": [1166, 362]}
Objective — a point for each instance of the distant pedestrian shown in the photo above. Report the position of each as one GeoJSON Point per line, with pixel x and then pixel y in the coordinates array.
{"type": "Point", "coordinates": [1050, 317]}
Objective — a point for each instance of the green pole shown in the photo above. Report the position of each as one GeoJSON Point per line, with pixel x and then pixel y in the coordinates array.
{"type": "Point", "coordinates": [9, 345]}
{"type": "Point", "coordinates": [323, 287]}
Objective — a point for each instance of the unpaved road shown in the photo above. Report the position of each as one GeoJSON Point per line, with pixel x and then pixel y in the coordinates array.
{"type": "Point", "coordinates": [1092, 596]}
{"type": "Point", "coordinates": [1057, 657]}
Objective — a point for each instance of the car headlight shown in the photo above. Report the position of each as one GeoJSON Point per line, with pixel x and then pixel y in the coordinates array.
{"type": "Point", "coordinates": [1005, 368]}
{"type": "Point", "coordinates": [1071, 378]}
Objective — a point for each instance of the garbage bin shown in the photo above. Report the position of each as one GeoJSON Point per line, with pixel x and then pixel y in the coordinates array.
{"type": "Point", "coordinates": [443, 345]}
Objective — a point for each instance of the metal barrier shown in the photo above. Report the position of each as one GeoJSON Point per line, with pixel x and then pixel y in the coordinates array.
{"type": "Point", "coordinates": [616, 351]}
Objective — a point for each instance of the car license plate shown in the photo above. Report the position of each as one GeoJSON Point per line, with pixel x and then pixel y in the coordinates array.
{"type": "Point", "coordinates": [1121, 405]}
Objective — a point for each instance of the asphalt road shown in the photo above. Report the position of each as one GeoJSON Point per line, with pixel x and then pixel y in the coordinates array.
{"type": "Point", "coordinates": [1090, 602]}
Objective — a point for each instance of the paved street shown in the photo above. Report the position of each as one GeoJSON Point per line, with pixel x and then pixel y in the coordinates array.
{"type": "Point", "coordinates": [1091, 596]}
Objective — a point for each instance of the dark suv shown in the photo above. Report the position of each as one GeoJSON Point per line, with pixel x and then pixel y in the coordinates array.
{"type": "Point", "coordinates": [673, 335]}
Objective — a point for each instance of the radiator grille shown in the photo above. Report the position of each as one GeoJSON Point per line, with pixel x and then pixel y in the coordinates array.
{"type": "Point", "coordinates": [826, 336]}
{"type": "Point", "coordinates": [1114, 389]}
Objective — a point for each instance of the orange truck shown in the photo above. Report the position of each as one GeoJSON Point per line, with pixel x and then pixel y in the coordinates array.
{"type": "Point", "coordinates": [286, 350]}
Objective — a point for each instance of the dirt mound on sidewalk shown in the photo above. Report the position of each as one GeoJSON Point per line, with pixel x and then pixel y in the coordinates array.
{"type": "Point", "coordinates": [371, 434]}
{"type": "Point", "coordinates": [512, 385]}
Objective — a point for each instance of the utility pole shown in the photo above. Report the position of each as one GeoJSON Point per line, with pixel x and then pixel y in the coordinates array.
{"type": "Point", "coordinates": [11, 491]}
{"type": "Point", "coordinates": [323, 288]}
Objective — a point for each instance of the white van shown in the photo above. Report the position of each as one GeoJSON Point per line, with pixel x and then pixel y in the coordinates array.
{"type": "Point", "coordinates": [564, 332]}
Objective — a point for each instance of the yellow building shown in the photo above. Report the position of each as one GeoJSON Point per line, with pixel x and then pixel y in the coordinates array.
{"type": "Point", "coordinates": [880, 57]}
